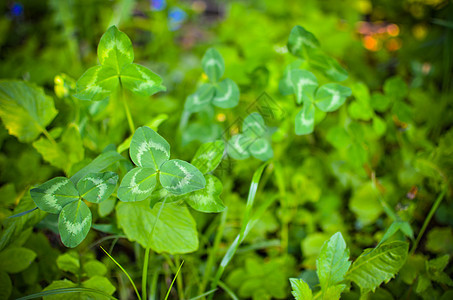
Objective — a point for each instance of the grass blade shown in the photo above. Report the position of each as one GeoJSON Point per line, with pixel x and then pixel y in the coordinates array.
{"type": "Point", "coordinates": [174, 279]}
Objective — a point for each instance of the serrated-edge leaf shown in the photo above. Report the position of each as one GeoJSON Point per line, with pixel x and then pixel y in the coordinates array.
{"type": "Point", "coordinates": [54, 194]}
{"type": "Point", "coordinates": [300, 289]}
{"type": "Point", "coordinates": [372, 268]}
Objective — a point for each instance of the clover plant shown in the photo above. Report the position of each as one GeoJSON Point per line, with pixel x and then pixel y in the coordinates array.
{"type": "Point", "coordinates": [253, 141]}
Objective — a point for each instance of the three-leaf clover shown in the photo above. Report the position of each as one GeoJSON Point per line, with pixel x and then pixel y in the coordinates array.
{"type": "Point", "coordinates": [327, 98]}
{"type": "Point", "coordinates": [61, 196]}
{"type": "Point", "coordinates": [117, 69]}
{"type": "Point", "coordinates": [253, 141]}
{"type": "Point", "coordinates": [150, 152]}
{"type": "Point", "coordinates": [223, 94]}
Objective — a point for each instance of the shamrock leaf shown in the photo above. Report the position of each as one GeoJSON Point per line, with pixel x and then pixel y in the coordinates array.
{"type": "Point", "coordinates": [97, 187]}
{"type": "Point", "coordinates": [304, 85]}
{"type": "Point", "coordinates": [213, 64]}
{"type": "Point", "coordinates": [117, 69]}
{"type": "Point", "coordinates": [252, 141]}
{"type": "Point", "coordinates": [208, 199]}
{"type": "Point", "coordinates": [331, 96]}
{"type": "Point", "coordinates": [305, 119]}
{"type": "Point", "coordinates": [150, 152]}
{"type": "Point", "coordinates": [301, 41]}
{"type": "Point", "coordinates": [208, 156]}
{"type": "Point", "coordinates": [54, 194]}
{"type": "Point", "coordinates": [202, 97]}
{"type": "Point", "coordinates": [74, 223]}
{"type": "Point", "coordinates": [226, 94]}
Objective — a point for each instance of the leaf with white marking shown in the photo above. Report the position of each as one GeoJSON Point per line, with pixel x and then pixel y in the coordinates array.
{"type": "Point", "coordinates": [213, 64]}
{"type": "Point", "coordinates": [140, 80]}
{"type": "Point", "coordinates": [115, 49]}
{"type": "Point", "coordinates": [304, 85]}
{"type": "Point", "coordinates": [97, 187]}
{"type": "Point", "coordinates": [301, 42]}
{"type": "Point", "coordinates": [254, 126]}
{"type": "Point", "coordinates": [331, 96]}
{"type": "Point", "coordinates": [54, 194]}
{"type": "Point", "coordinates": [180, 177]}
{"type": "Point", "coordinates": [285, 86]}
{"type": "Point", "coordinates": [226, 94]}
{"type": "Point", "coordinates": [261, 149]}
{"type": "Point", "coordinates": [202, 97]}
{"type": "Point", "coordinates": [208, 199]}
{"type": "Point", "coordinates": [148, 149]}
{"type": "Point", "coordinates": [305, 119]}
{"type": "Point", "coordinates": [74, 223]}
{"type": "Point", "coordinates": [208, 156]}
{"type": "Point", "coordinates": [238, 145]}
{"type": "Point", "coordinates": [97, 83]}
{"type": "Point", "coordinates": [137, 184]}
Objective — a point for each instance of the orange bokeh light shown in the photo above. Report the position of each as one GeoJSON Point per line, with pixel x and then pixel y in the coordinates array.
{"type": "Point", "coordinates": [393, 30]}
{"type": "Point", "coordinates": [371, 43]}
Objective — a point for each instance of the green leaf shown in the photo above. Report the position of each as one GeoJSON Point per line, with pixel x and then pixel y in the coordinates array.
{"type": "Point", "coordinates": [202, 97]}
{"type": "Point", "coordinates": [6, 286]}
{"type": "Point", "coordinates": [148, 149]}
{"type": "Point", "coordinates": [394, 227]}
{"type": "Point", "coordinates": [374, 267]}
{"type": "Point", "coordinates": [261, 149]}
{"type": "Point", "coordinates": [396, 88]}
{"type": "Point", "coordinates": [69, 262]}
{"type": "Point", "coordinates": [137, 184]}
{"type": "Point", "coordinates": [141, 80]}
{"type": "Point", "coordinates": [301, 42]}
{"type": "Point", "coordinates": [97, 83]}
{"type": "Point", "coordinates": [328, 66]}
{"type": "Point", "coordinates": [94, 268]}
{"type": "Point", "coordinates": [364, 202]}
{"type": "Point", "coordinates": [99, 164]}
{"type": "Point", "coordinates": [16, 259]}
{"type": "Point", "coordinates": [285, 86]}
{"type": "Point", "coordinates": [213, 64]}
{"type": "Point", "coordinates": [254, 126]}
{"type": "Point", "coordinates": [99, 283]}
{"type": "Point", "coordinates": [174, 232]}
{"type": "Point", "coordinates": [305, 119]}
{"type": "Point", "coordinates": [74, 223]}
{"type": "Point", "coordinates": [106, 207]}
{"type": "Point", "coordinates": [207, 200]}
{"type": "Point", "coordinates": [332, 263]}
{"type": "Point", "coordinates": [304, 85]}
{"type": "Point", "coordinates": [301, 290]}
{"type": "Point", "coordinates": [380, 102]}
{"type": "Point", "coordinates": [180, 177]}
{"type": "Point", "coordinates": [331, 96]}
{"type": "Point", "coordinates": [24, 109]}
{"type": "Point", "coordinates": [208, 156]}
{"type": "Point", "coordinates": [238, 145]}
{"type": "Point", "coordinates": [115, 49]}
{"type": "Point", "coordinates": [226, 94]}
{"type": "Point", "coordinates": [97, 187]}
{"type": "Point", "coordinates": [54, 194]}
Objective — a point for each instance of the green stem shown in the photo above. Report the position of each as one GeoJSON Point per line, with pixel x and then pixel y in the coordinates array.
{"type": "Point", "coordinates": [130, 121]}
{"type": "Point", "coordinates": [179, 282]}
{"type": "Point", "coordinates": [145, 273]}
{"type": "Point", "coordinates": [428, 219]}
{"type": "Point", "coordinates": [48, 136]}
{"type": "Point", "coordinates": [213, 252]}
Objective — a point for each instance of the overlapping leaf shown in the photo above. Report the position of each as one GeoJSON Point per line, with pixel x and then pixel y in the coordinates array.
{"type": "Point", "coordinates": [97, 187]}
{"type": "Point", "coordinates": [74, 223]}
{"type": "Point", "coordinates": [213, 64]}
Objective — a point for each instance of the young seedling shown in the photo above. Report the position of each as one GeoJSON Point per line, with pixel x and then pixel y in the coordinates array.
{"type": "Point", "coordinates": [61, 196]}
{"type": "Point", "coordinates": [117, 71]}
{"type": "Point", "coordinates": [223, 94]}
{"type": "Point", "coordinates": [150, 152]}
{"type": "Point", "coordinates": [304, 84]}
{"type": "Point", "coordinates": [253, 141]}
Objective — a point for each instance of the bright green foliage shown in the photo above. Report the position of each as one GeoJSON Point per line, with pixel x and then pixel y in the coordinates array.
{"type": "Point", "coordinates": [332, 265]}
{"type": "Point", "coordinates": [223, 94]}
{"type": "Point", "coordinates": [301, 290]}
{"type": "Point", "coordinates": [6, 286]}
{"type": "Point", "coordinates": [253, 141]}
{"type": "Point", "coordinates": [69, 262]}
{"type": "Point", "coordinates": [365, 204]}
{"type": "Point", "coordinates": [60, 196]}
{"type": "Point", "coordinates": [151, 153]}
{"type": "Point", "coordinates": [172, 230]}
{"type": "Point", "coordinates": [99, 283]}
{"type": "Point", "coordinates": [301, 42]}
{"type": "Point", "coordinates": [213, 64]}
{"type": "Point", "coordinates": [402, 226]}
{"type": "Point", "coordinates": [116, 56]}
{"type": "Point", "coordinates": [432, 272]}
{"type": "Point", "coordinates": [16, 259]}
{"type": "Point", "coordinates": [373, 267]}
{"type": "Point", "coordinates": [24, 109]}
{"type": "Point", "coordinates": [74, 223]}
{"type": "Point", "coordinates": [207, 199]}
{"type": "Point", "coordinates": [331, 96]}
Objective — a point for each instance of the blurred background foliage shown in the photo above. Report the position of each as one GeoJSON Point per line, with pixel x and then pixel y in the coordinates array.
{"type": "Point", "coordinates": [386, 154]}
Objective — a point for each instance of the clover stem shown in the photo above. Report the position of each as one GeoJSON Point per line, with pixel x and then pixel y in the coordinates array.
{"type": "Point", "coordinates": [130, 121]}
{"type": "Point", "coordinates": [145, 273]}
